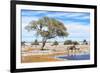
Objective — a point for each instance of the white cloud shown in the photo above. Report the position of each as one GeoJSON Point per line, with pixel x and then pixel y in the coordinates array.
{"type": "Point", "coordinates": [86, 17]}
{"type": "Point", "coordinates": [78, 31]}
{"type": "Point", "coordinates": [69, 15]}
{"type": "Point", "coordinates": [39, 12]}
{"type": "Point", "coordinates": [32, 12]}
{"type": "Point", "coordinates": [74, 14]}
{"type": "Point", "coordinates": [56, 14]}
{"type": "Point", "coordinates": [73, 27]}
{"type": "Point", "coordinates": [26, 20]}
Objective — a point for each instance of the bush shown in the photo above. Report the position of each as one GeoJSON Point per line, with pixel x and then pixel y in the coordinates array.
{"type": "Point", "coordinates": [35, 43]}
{"type": "Point", "coordinates": [23, 43]}
{"type": "Point", "coordinates": [85, 42]}
{"type": "Point", "coordinates": [55, 43]}
{"type": "Point", "coordinates": [75, 43]}
{"type": "Point", "coordinates": [67, 42]}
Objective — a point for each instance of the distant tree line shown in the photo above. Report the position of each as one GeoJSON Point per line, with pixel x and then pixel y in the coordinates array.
{"type": "Point", "coordinates": [67, 42]}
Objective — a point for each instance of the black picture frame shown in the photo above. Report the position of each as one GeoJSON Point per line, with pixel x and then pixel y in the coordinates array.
{"type": "Point", "coordinates": [13, 35]}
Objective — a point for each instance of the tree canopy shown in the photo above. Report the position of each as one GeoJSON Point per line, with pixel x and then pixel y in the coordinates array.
{"type": "Point", "coordinates": [47, 28]}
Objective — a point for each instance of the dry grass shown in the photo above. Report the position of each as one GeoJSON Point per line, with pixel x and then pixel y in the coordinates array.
{"type": "Point", "coordinates": [41, 58]}
{"type": "Point", "coordinates": [38, 58]}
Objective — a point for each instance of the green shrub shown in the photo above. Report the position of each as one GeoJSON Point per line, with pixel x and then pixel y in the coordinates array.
{"type": "Point", "coordinates": [35, 43]}
{"type": "Point", "coordinates": [75, 43]}
{"type": "Point", "coordinates": [23, 43]}
{"type": "Point", "coordinates": [85, 42]}
{"type": "Point", "coordinates": [67, 42]}
{"type": "Point", "coordinates": [55, 43]}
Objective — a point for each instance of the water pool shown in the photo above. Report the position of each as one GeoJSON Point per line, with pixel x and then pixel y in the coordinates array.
{"type": "Point", "coordinates": [75, 57]}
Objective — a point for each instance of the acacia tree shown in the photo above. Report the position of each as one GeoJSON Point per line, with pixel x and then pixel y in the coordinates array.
{"type": "Point", "coordinates": [47, 28]}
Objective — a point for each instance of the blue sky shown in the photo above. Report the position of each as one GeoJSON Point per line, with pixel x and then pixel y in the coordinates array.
{"type": "Point", "coordinates": [78, 24]}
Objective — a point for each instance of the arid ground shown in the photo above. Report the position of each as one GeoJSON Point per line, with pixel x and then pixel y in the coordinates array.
{"type": "Point", "coordinates": [33, 53]}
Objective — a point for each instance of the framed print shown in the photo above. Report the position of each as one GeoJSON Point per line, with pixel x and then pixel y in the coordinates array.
{"type": "Point", "coordinates": [52, 36]}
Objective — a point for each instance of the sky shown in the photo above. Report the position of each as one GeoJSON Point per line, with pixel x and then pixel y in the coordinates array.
{"type": "Point", "coordinates": [77, 24]}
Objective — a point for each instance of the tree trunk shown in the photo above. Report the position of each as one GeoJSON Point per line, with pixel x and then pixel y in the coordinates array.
{"type": "Point", "coordinates": [43, 43]}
